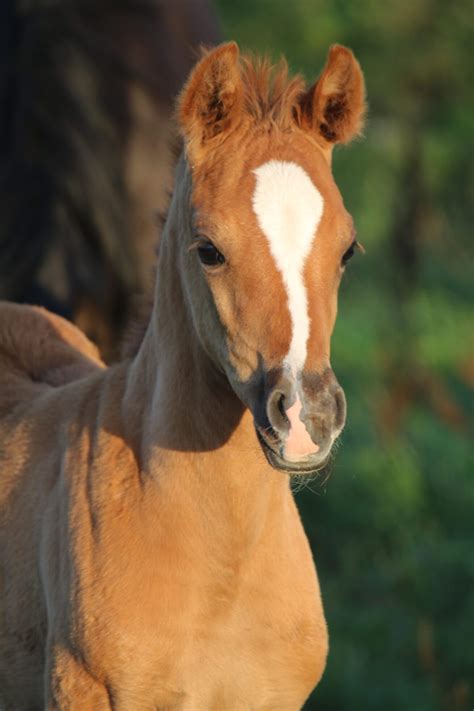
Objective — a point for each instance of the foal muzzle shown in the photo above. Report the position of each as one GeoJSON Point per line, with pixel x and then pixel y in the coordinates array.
{"type": "Point", "coordinates": [302, 420]}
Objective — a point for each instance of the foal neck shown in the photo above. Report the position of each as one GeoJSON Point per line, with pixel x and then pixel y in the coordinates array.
{"type": "Point", "coordinates": [190, 427]}
{"type": "Point", "coordinates": [188, 404]}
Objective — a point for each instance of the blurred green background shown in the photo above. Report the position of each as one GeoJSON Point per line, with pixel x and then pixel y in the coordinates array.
{"type": "Point", "coordinates": [392, 527]}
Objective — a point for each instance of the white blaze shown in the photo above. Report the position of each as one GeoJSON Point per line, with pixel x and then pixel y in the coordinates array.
{"type": "Point", "coordinates": [289, 207]}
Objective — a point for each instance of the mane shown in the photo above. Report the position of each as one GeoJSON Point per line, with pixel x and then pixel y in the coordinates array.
{"type": "Point", "coordinates": [271, 95]}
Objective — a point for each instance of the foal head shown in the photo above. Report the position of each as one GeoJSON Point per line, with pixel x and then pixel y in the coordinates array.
{"type": "Point", "coordinates": [269, 239]}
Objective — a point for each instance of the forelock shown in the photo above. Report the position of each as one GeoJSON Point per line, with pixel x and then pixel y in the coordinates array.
{"type": "Point", "coordinates": [270, 95]}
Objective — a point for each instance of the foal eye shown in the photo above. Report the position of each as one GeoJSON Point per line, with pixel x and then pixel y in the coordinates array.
{"type": "Point", "coordinates": [209, 255]}
{"type": "Point", "coordinates": [348, 254]}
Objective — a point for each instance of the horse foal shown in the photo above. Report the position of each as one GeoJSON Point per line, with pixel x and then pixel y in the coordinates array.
{"type": "Point", "coordinates": [152, 553]}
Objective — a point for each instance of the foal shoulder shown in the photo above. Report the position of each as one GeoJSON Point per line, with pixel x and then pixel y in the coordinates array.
{"type": "Point", "coordinates": [43, 347]}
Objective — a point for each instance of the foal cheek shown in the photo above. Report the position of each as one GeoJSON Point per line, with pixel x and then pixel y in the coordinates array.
{"type": "Point", "coordinates": [240, 340]}
{"type": "Point", "coordinates": [224, 328]}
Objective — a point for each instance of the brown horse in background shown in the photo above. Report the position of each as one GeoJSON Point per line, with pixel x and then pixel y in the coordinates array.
{"type": "Point", "coordinates": [152, 552]}
{"type": "Point", "coordinates": [86, 148]}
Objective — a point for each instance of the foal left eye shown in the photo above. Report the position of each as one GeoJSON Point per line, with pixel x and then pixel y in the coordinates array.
{"type": "Point", "coordinates": [348, 254]}
{"type": "Point", "coordinates": [209, 255]}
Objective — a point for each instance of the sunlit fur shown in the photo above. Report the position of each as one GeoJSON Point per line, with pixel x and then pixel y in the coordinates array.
{"type": "Point", "coordinates": [151, 556]}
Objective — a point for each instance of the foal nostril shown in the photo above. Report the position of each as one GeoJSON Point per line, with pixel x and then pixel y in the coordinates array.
{"type": "Point", "coordinates": [340, 399]}
{"type": "Point", "coordinates": [276, 411]}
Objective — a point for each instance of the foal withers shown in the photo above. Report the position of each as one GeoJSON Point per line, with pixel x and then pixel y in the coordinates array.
{"type": "Point", "coordinates": [153, 557]}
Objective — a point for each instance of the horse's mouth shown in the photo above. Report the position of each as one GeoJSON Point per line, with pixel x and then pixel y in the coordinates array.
{"type": "Point", "coordinates": [309, 466]}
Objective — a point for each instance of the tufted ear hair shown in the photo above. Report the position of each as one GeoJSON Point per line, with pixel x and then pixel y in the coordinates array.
{"type": "Point", "coordinates": [211, 100]}
{"type": "Point", "coordinates": [334, 107]}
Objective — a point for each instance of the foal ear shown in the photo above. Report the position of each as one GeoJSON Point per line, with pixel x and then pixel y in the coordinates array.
{"type": "Point", "coordinates": [334, 107]}
{"type": "Point", "coordinates": [212, 96]}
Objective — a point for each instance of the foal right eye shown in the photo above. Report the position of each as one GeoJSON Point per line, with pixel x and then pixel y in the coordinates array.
{"type": "Point", "coordinates": [210, 255]}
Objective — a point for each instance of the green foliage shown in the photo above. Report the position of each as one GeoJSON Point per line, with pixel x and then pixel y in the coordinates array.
{"type": "Point", "coordinates": [392, 528]}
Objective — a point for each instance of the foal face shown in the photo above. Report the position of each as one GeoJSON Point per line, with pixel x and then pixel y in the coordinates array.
{"type": "Point", "coordinates": [270, 238]}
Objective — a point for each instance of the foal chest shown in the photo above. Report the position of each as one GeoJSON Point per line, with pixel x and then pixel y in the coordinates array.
{"type": "Point", "coordinates": [248, 671]}
{"type": "Point", "coordinates": [228, 673]}
{"type": "Point", "coordinates": [238, 661]}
